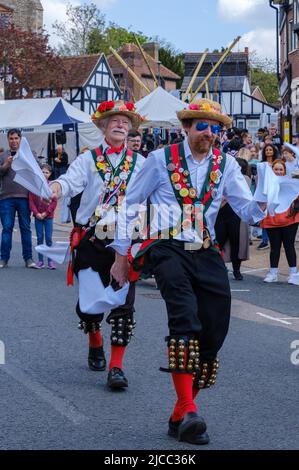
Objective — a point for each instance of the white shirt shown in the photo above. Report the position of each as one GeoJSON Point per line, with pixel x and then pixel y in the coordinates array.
{"type": "Point", "coordinates": [153, 181]}
{"type": "Point", "coordinates": [82, 175]}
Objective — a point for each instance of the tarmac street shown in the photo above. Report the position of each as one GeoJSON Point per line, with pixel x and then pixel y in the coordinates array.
{"type": "Point", "coordinates": [50, 399]}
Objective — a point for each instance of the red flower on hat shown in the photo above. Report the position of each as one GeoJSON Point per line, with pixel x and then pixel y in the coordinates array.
{"type": "Point", "coordinates": [109, 105]}
{"type": "Point", "coordinates": [105, 106]}
{"type": "Point", "coordinates": [194, 107]}
{"type": "Point", "coordinates": [130, 106]}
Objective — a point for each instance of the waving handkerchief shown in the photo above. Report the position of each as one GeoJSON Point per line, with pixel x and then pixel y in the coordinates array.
{"type": "Point", "coordinates": [58, 252]}
{"type": "Point", "coordinates": [94, 297]}
{"type": "Point", "coordinates": [295, 150]}
{"type": "Point", "coordinates": [29, 173]}
{"type": "Point", "coordinates": [278, 192]}
{"type": "Point", "coordinates": [268, 187]}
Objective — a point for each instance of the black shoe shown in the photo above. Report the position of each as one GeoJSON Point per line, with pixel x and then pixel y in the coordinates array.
{"type": "Point", "coordinates": [116, 379]}
{"type": "Point", "coordinates": [96, 359]}
{"type": "Point", "coordinates": [238, 276]}
{"type": "Point", "coordinates": [191, 429]}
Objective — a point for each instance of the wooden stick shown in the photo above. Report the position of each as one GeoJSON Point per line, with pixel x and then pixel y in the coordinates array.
{"type": "Point", "coordinates": [130, 71]}
{"type": "Point", "coordinates": [146, 61]}
{"type": "Point", "coordinates": [222, 58]}
{"type": "Point", "coordinates": [199, 65]}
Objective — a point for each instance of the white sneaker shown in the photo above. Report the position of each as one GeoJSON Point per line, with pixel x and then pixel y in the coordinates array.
{"type": "Point", "coordinates": [294, 279]}
{"type": "Point", "coordinates": [271, 278]}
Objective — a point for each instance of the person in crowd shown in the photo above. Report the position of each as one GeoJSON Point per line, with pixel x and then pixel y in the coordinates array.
{"type": "Point", "coordinates": [245, 154]}
{"type": "Point", "coordinates": [276, 138]}
{"type": "Point", "coordinates": [13, 200]}
{"type": "Point", "coordinates": [290, 160]}
{"type": "Point", "coordinates": [269, 155]}
{"type": "Point", "coordinates": [254, 157]}
{"type": "Point", "coordinates": [61, 160]}
{"type": "Point", "coordinates": [247, 139]}
{"type": "Point", "coordinates": [282, 230]}
{"type": "Point", "coordinates": [134, 141]}
{"type": "Point", "coordinates": [43, 214]}
{"type": "Point", "coordinates": [232, 233]}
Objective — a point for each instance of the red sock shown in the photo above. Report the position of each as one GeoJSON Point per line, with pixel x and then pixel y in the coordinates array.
{"type": "Point", "coordinates": [95, 339]}
{"type": "Point", "coordinates": [184, 389]}
{"type": "Point", "coordinates": [117, 354]}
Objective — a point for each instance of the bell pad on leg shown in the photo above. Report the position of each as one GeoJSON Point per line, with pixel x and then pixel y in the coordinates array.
{"type": "Point", "coordinates": [122, 329]}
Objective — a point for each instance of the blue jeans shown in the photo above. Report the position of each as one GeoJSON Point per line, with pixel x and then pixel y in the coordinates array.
{"type": "Point", "coordinates": [8, 209]}
{"type": "Point", "coordinates": [265, 236]}
{"type": "Point", "coordinates": [44, 229]}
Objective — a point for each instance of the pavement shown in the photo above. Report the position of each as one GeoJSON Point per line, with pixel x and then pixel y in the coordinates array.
{"type": "Point", "coordinates": [50, 399]}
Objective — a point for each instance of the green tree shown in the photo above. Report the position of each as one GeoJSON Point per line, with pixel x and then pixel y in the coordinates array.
{"type": "Point", "coordinates": [115, 36]}
{"type": "Point", "coordinates": [263, 74]}
{"type": "Point", "coordinates": [75, 31]}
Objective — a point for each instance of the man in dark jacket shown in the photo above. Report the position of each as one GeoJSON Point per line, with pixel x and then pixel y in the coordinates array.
{"type": "Point", "coordinates": [13, 199]}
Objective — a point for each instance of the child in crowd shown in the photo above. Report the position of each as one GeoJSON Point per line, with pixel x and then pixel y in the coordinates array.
{"type": "Point", "coordinates": [43, 214]}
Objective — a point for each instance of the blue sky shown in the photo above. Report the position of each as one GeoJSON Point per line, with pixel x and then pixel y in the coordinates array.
{"type": "Point", "coordinates": [189, 25]}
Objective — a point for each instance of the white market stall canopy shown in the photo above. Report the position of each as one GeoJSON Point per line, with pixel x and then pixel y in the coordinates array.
{"type": "Point", "coordinates": [160, 108]}
{"type": "Point", "coordinates": [39, 115]}
{"type": "Point", "coordinates": [37, 118]}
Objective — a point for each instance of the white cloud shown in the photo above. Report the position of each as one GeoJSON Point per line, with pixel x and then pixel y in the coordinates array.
{"type": "Point", "coordinates": [236, 10]}
{"type": "Point", "coordinates": [263, 41]}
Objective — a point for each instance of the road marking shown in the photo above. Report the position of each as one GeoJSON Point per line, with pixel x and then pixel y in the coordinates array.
{"type": "Point", "coordinates": [240, 290]}
{"type": "Point", "coordinates": [62, 405]}
{"type": "Point", "coordinates": [273, 318]}
{"type": "Point", "coordinates": [255, 270]}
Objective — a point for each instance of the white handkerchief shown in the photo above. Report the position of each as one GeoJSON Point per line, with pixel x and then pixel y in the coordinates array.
{"type": "Point", "coordinates": [295, 150]}
{"type": "Point", "coordinates": [28, 172]}
{"type": "Point", "coordinates": [278, 192]}
{"type": "Point", "coordinates": [58, 252]}
{"type": "Point", "coordinates": [267, 188]}
{"type": "Point", "coordinates": [94, 297]}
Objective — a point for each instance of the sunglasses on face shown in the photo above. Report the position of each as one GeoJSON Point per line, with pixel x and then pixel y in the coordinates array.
{"type": "Point", "coordinates": [203, 126]}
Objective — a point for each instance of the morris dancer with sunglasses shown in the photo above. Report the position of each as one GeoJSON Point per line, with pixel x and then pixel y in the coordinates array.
{"type": "Point", "coordinates": [103, 174]}
{"type": "Point", "coordinates": [191, 178]}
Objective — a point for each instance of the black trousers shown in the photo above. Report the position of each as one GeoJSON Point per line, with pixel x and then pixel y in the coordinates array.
{"type": "Point", "coordinates": [95, 255]}
{"type": "Point", "coordinates": [197, 293]}
{"type": "Point", "coordinates": [227, 228]}
{"type": "Point", "coordinates": [287, 237]}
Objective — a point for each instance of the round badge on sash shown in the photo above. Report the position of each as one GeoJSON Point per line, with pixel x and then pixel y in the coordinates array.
{"type": "Point", "coordinates": [178, 187]}
{"type": "Point", "coordinates": [107, 176]}
{"type": "Point", "coordinates": [123, 176]}
{"type": "Point", "coordinates": [192, 193]}
{"type": "Point", "coordinates": [184, 192]}
{"type": "Point", "coordinates": [116, 179]}
{"type": "Point", "coordinates": [171, 167]}
{"type": "Point", "coordinates": [186, 173]}
{"type": "Point", "coordinates": [129, 159]}
{"type": "Point", "coordinates": [175, 178]}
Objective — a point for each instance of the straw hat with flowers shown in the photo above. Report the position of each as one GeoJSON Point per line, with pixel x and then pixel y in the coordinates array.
{"type": "Point", "coordinates": [205, 109]}
{"type": "Point", "coordinates": [111, 108]}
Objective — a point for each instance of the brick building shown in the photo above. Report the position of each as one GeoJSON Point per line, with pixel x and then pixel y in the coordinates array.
{"type": "Point", "coordinates": [133, 58]}
{"type": "Point", "coordinates": [26, 14]}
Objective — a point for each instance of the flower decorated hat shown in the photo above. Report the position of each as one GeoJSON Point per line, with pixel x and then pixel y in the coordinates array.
{"type": "Point", "coordinates": [111, 108]}
{"type": "Point", "coordinates": [205, 109]}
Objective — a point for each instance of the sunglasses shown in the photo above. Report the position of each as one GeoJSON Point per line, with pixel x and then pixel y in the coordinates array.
{"type": "Point", "coordinates": [202, 126]}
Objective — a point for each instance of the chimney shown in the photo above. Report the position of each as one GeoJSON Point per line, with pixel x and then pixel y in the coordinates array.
{"type": "Point", "coordinates": [152, 48]}
{"type": "Point", "coordinates": [246, 50]}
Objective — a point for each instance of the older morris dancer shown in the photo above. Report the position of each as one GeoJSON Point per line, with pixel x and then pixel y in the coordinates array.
{"type": "Point", "coordinates": [191, 178]}
{"type": "Point", "coordinates": [103, 174]}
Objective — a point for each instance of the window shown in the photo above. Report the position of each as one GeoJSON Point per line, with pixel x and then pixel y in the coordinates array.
{"type": "Point", "coordinates": [102, 94]}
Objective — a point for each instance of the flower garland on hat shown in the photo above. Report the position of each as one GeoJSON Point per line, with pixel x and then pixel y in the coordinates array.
{"type": "Point", "coordinates": [111, 105]}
